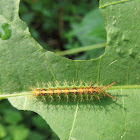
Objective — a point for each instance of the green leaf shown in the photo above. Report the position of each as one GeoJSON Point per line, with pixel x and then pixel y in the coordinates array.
{"type": "Point", "coordinates": [36, 136]}
{"type": "Point", "coordinates": [23, 63]}
{"type": "Point", "coordinates": [102, 120]}
{"type": "Point", "coordinates": [3, 132]}
{"type": "Point", "coordinates": [12, 117]}
{"type": "Point", "coordinates": [19, 131]}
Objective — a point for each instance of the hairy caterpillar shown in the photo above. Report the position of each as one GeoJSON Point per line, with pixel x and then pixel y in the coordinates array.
{"type": "Point", "coordinates": [74, 92]}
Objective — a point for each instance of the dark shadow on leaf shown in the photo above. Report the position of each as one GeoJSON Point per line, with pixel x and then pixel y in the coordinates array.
{"type": "Point", "coordinates": [105, 103]}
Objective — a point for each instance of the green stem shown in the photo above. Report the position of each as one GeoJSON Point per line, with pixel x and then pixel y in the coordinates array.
{"type": "Point", "coordinates": [82, 49]}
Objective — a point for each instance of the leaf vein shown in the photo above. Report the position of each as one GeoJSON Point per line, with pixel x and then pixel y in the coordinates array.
{"type": "Point", "coordinates": [99, 67]}
{"type": "Point", "coordinates": [113, 3]}
{"type": "Point", "coordinates": [36, 44]}
{"type": "Point", "coordinates": [75, 117]}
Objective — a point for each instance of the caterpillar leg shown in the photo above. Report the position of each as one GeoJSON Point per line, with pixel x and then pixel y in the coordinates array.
{"type": "Point", "coordinates": [87, 99]}
{"type": "Point", "coordinates": [44, 98]}
{"type": "Point", "coordinates": [59, 97]}
{"type": "Point", "coordinates": [51, 98]}
{"type": "Point", "coordinates": [98, 98]}
{"type": "Point", "coordinates": [74, 96]}
{"type": "Point", "coordinates": [67, 97]}
{"type": "Point", "coordinates": [91, 98]}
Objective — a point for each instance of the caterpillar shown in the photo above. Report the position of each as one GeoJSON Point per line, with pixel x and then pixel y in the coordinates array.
{"type": "Point", "coordinates": [81, 93]}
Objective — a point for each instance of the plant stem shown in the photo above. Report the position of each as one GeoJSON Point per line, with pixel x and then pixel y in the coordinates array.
{"type": "Point", "coordinates": [82, 49]}
{"type": "Point", "coordinates": [113, 3]}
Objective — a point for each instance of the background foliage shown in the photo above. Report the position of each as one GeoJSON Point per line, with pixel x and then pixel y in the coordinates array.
{"type": "Point", "coordinates": [62, 25]}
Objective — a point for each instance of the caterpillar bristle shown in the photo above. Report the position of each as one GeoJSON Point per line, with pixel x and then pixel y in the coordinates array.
{"type": "Point", "coordinates": [72, 92]}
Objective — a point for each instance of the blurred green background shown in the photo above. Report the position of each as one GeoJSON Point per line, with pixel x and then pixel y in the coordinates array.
{"type": "Point", "coordinates": [57, 26]}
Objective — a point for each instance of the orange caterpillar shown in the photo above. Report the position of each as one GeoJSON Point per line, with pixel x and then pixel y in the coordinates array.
{"type": "Point", "coordinates": [76, 91]}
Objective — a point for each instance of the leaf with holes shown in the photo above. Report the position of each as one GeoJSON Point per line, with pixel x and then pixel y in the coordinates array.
{"type": "Point", "coordinates": [23, 63]}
